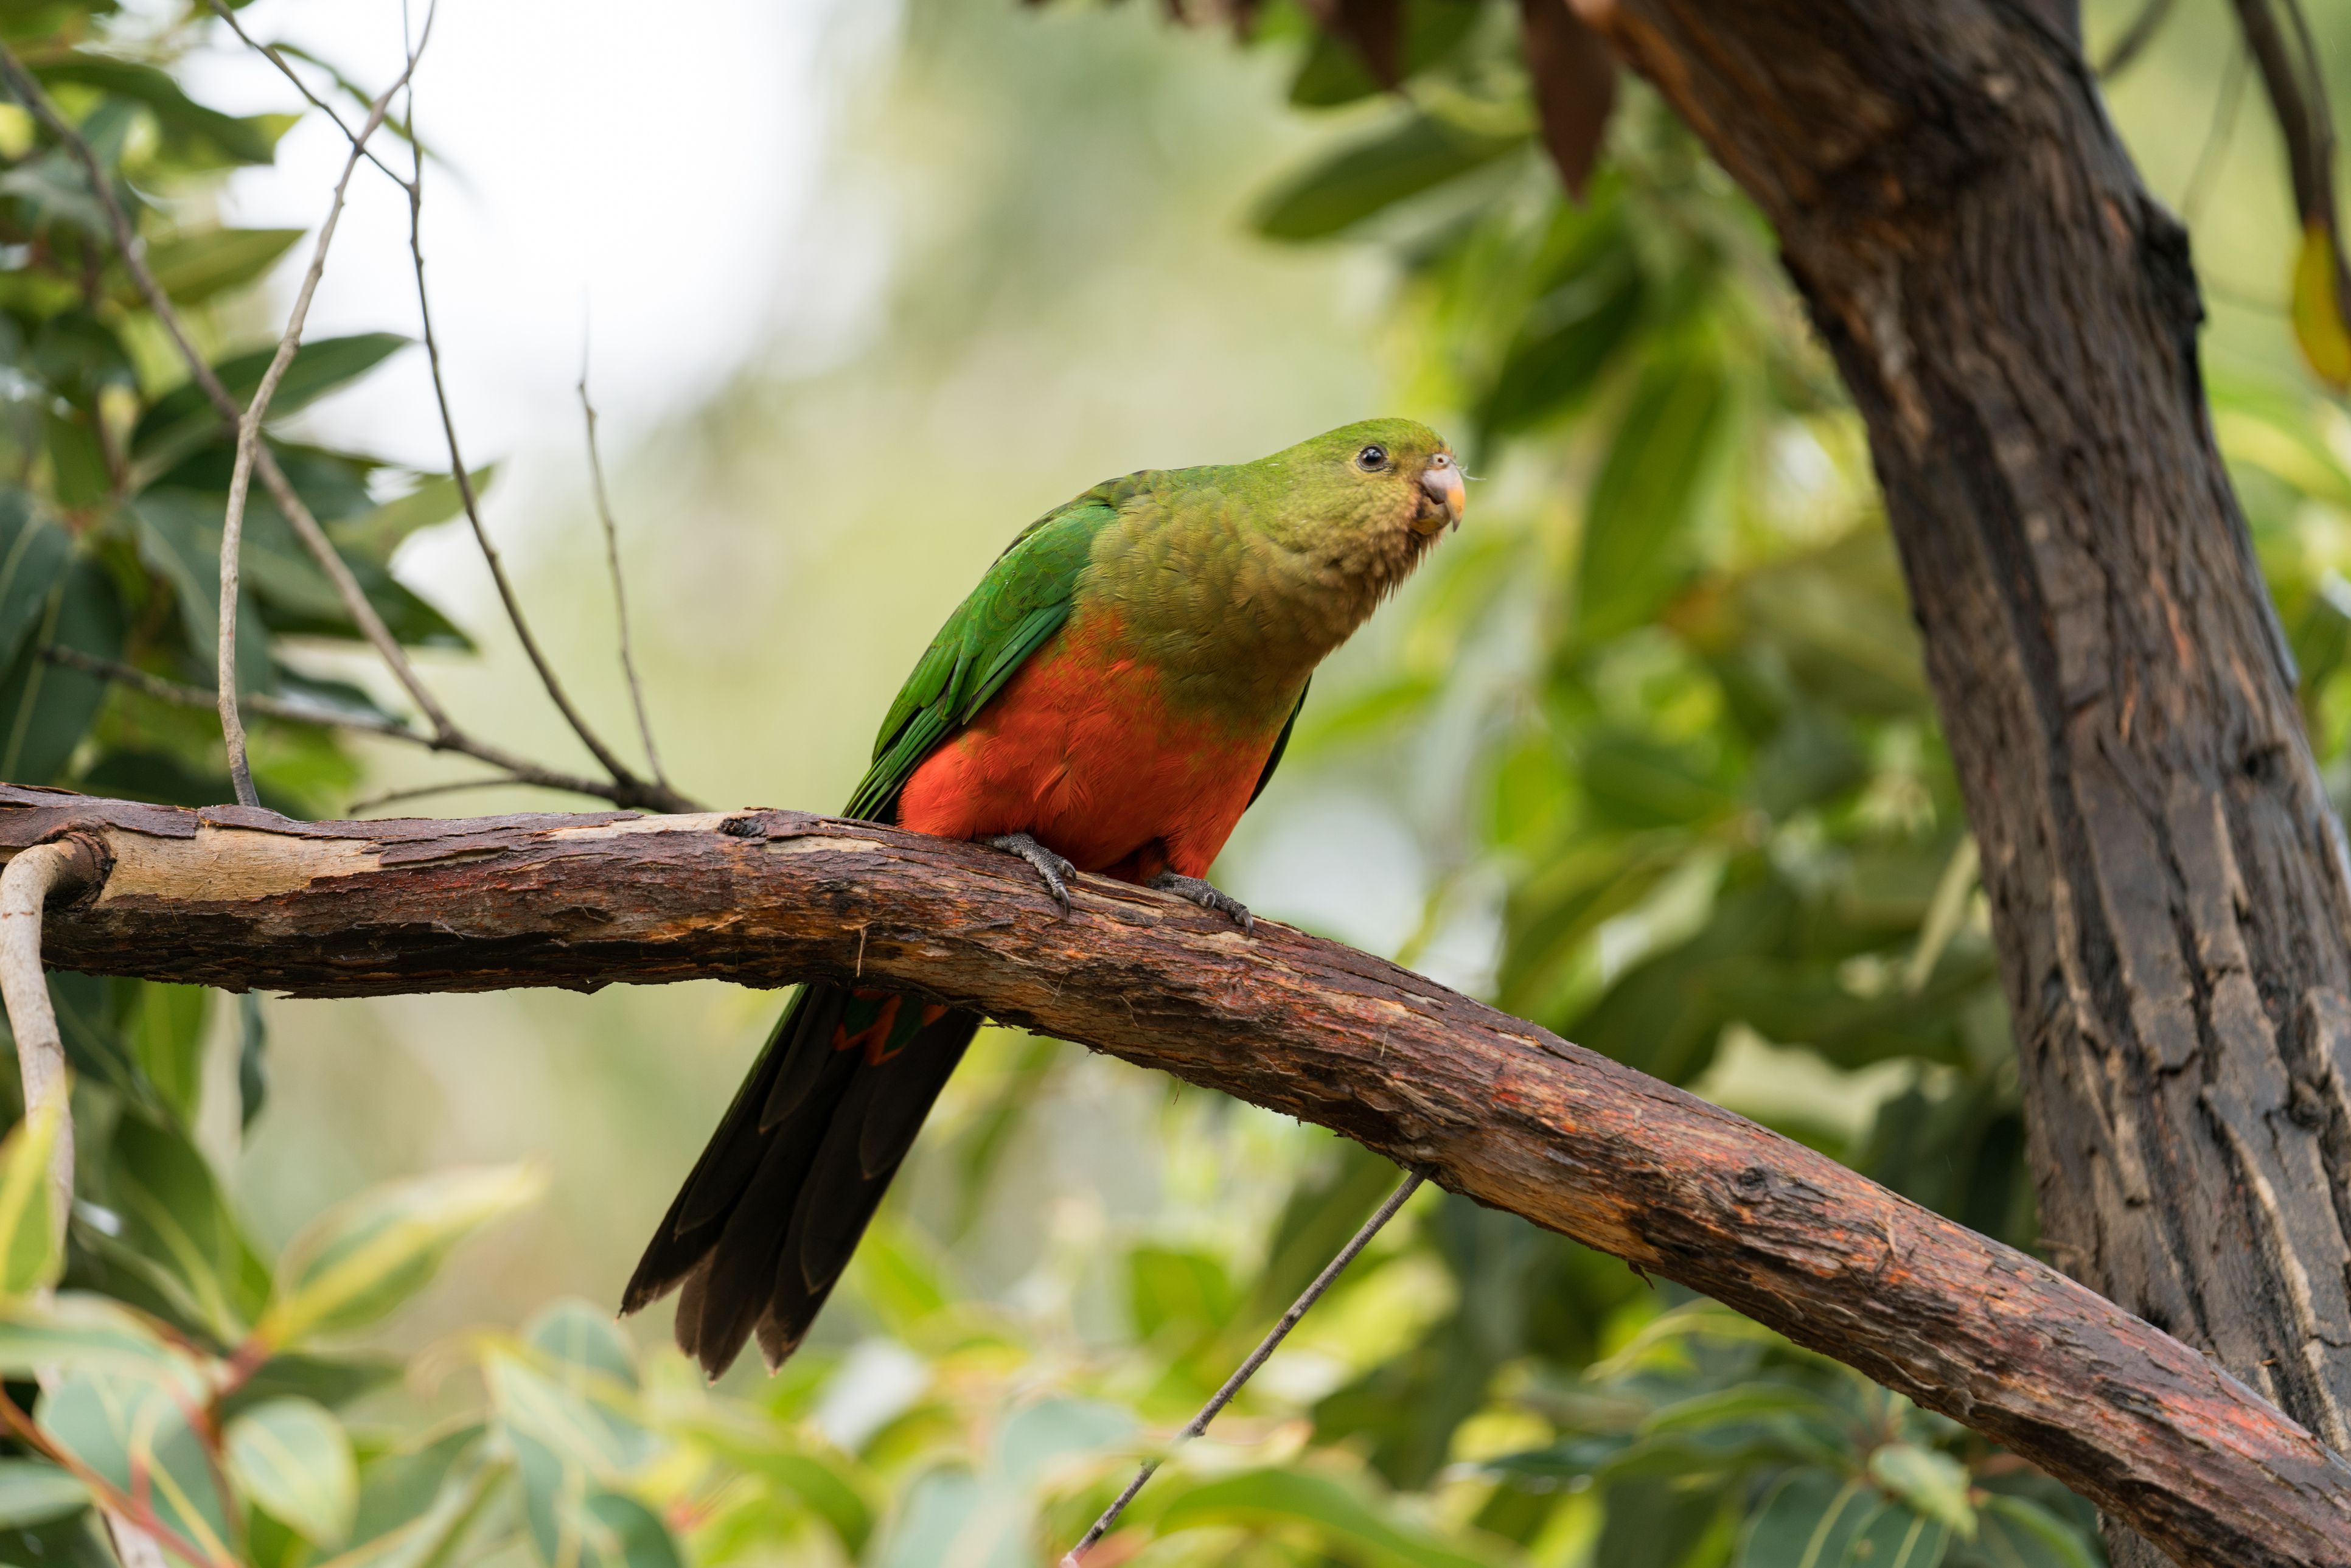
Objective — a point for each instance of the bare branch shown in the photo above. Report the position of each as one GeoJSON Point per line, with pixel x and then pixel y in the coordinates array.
{"type": "Point", "coordinates": [620, 594]}
{"type": "Point", "coordinates": [604, 757]}
{"type": "Point", "coordinates": [248, 433]}
{"type": "Point", "coordinates": [1248, 1369]}
{"type": "Point", "coordinates": [455, 742]}
{"type": "Point", "coordinates": [624, 788]}
{"type": "Point", "coordinates": [133, 251]}
{"type": "Point", "coordinates": [1488, 1105]}
{"type": "Point", "coordinates": [271, 53]}
{"type": "Point", "coordinates": [67, 864]}
{"type": "Point", "coordinates": [2216, 137]}
{"type": "Point", "coordinates": [425, 791]}
{"type": "Point", "coordinates": [2126, 48]}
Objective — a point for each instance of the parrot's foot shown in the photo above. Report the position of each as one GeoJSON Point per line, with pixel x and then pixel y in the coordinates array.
{"type": "Point", "coordinates": [1047, 865]}
{"type": "Point", "coordinates": [1208, 895]}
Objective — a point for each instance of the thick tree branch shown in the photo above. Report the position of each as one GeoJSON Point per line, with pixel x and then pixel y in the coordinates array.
{"type": "Point", "coordinates": [1485, 1104]}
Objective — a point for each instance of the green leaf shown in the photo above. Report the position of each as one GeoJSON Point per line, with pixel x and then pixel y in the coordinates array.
{"type": "Point", "coordinates": [1573, 331]}
{"type": "Point", "coordinates": [292, 1459]}
{"type": "Point", "coordinates": [75, 1330]}
{"type": "Point", "coordinates": [1931, 1482]}
{"type": "Point", "coordinates": [364, 1258]}
{"type": "Point", "coordinates": [1739, 1402]}
{"type": "Point", "coordinates": [2015, 1532]}
{"type": "Point", "coordinates": [1334, 72]}
{"type": "Point", "coordinates": [135, 1434]}
{"type": "Point", "coordinates": [435, 499]}
{"type": "Point", "coordinates": [1416, 155]}
{"type": "Point", "coordinates": [34, 1493]}
{"type": "Point", "coordinates": [1341, 1519]}
{"type": "Point", "coordinates": [581, 1338]}
{"type": "Point", "coordinates": [179, 535]}
{"type": "Point", "coordinates": [1808, 1521]}
{"type": "Point", "coordinates": [1645, 496]}
{"type": "Point", "coordinates": [175, 1216]}
{"type": "Point", "coordinates": [619, 1531]}
{"type": "Point", "coordinates": [1182, 1289]}
{"type": "Point", "coordinates": [182, 420]}
{"type": "Point", "coordinates": [45, 709]}
{"type": "Point", "coordinates": [592, 1435]}
{"type": "Point", "coordinates": [33, 556]}
{"type": "Point", "coordinates": [399, 1487]}
{"type": "Point", "coordinates": [192, 267]}
{"type": "Point", "coordinates": [187, 124]}
{"type": "Point", "coordinates": [32, 1253]}
{"type": "Point", "coordinates": [332, 1381]}
{"type": "Point", "coordinates": [435, 1531]}
{"type": "Point", "coordinates": [1895, 1537]}
{"type": "Point", "coordinates": [164, 1028]}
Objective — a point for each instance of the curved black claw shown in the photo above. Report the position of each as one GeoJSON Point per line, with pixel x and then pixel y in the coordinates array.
{"type": "Point", "coordinates": [1047, 865]}
{"type": "Point", "coordinates": [1208, 895]}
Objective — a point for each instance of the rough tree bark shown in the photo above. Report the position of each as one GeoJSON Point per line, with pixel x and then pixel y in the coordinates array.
{"type": "Point", "coordinates": [1483, 1104]}
{"type": "Point", "coordinates": [2017, 318]}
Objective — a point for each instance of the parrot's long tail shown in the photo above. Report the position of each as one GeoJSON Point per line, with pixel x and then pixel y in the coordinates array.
{"type": "Point", "coordinates": [765, 1223]}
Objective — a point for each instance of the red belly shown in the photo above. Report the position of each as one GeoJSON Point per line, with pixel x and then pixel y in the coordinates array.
{"type": "Point", "coordinates": [1079, 752]}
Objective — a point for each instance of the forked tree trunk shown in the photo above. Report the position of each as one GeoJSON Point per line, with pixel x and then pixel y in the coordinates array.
{"type": "Point", "coordinates": [2017, 320]}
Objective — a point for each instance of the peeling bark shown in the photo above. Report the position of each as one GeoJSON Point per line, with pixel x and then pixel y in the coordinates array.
{"type": "Point", "coordinates": [1485, 1104]}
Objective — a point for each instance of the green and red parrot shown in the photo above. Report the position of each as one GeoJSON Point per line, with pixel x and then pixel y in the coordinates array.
{"type": "Point", "coordinates": [1108, 699]}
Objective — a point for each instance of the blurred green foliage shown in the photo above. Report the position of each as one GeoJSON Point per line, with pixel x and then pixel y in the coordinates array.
{"type": "Point", "coordinates": [1669, 676]}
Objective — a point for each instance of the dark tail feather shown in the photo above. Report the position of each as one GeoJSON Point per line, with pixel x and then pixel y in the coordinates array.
{"type": "Point", "coordinates": [770, 1215]}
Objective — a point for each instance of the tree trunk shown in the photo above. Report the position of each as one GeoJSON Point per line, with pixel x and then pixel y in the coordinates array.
{"type": "Point", "coordinates": [2016, 318]}
{"type": "Point", "coordinates": [1482, 1103]}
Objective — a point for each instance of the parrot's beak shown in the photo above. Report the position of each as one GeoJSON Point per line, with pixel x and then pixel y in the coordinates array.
{"type": "Point", "coordinates": [1446, 497]}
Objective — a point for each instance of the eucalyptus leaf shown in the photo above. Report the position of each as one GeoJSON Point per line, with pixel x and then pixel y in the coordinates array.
{"type": "Point", "coordinates": [1415, 156]}
{"type": "Point", "coordinates": [364, 1258]}
{"type": "Point", "coordinates": [182, 420]}
{"type": "Point", "coordinates": [32, 1253]}
{"type": "Point", "coordinates": [1341, 1519]}
{"type": "Point", "coordinates": [35, 1493]}
{"type": "Point", "coordinates": [292, 1459]}
{"type": "Point", "coordinates": [44, 709]}
{"type": "Point", "coordinates": [1809, 1521]}
{"type": "Point", "coordinates": [192, 267]}
{"type": "Point", "coordinates": [135, 1434]}
{"type": "Point", "coordinates": [34, 555]}
{"type": "Point", "coordinates": [1894, 1536]}
{"type": "Point", "coordinates": [1644, 500]}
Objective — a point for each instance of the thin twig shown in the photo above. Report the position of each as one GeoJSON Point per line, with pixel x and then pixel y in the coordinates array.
{"type": "Point", "coordinates": [422, 791]}
{"type": "Point", "coordinates": [314, 538]}
{"type": "Point", "coordinates": [455, 742]}
{"type": "Point", "coordinates": [620, 595]}
{"type": "Point", "coordinates": [2126, 48]}
{"type": "Point", "coordinates": [2216, 137]}
{"type": "Point", "coordinates": [624, 790]}
{"type": "Point", "coordinates": [24, 889]}
{"type": "Point", "coordinates": [248, 433]}
{"type": "Point", "coordinates": [271, 53]}
{"type": "Point", "coordinates": [603, 754]}
{"type": "Point", "coordinates": [120, 1506]}
{"type": "Point", "coordinates": [2297, 91]}
{"type": "Point", "coordinates": [1257, 1358]}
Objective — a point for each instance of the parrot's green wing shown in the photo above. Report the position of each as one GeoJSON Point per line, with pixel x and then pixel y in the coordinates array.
{"type": "Point", "coordinates": [1280, 744]}
{"type": "Point", "coordinates": [1021, 601]}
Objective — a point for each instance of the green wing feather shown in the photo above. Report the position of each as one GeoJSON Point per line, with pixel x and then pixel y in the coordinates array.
{"type": "Point", "coordinates": [1021, 603]}
{"type": "Point", "coordinates": [1280, 744]}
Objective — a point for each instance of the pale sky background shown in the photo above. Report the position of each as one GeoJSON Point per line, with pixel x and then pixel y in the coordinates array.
{"type": "Point", "coordinates": [628, 171]}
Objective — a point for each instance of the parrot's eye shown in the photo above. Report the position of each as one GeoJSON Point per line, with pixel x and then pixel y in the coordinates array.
{"type": "Point", "coordinates": [1372, 459]}
{"type": "Point", "coordinates": [1442, 460]}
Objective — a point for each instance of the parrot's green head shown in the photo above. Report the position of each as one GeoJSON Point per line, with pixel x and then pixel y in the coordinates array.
{"type": "Point", "coordinates": [1378, 482]}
